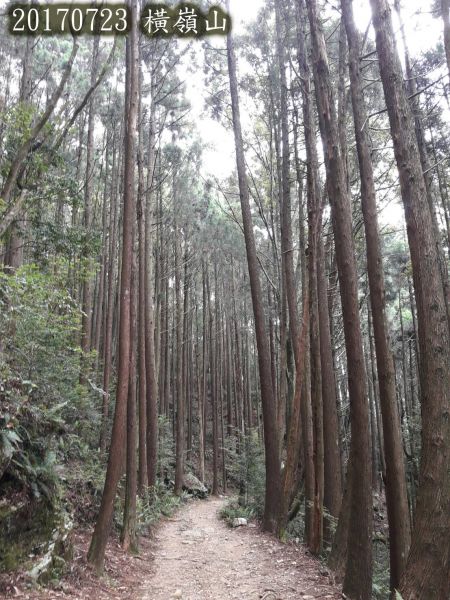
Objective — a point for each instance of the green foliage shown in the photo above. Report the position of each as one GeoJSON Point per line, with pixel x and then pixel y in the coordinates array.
{"type": "Point", "coordinates": [27, 451]}
{"type": "Point", "coordinates": [380, 589]}
{"type": "Point", "coordinates": [51, 238]}
{"type": "Point", "coordinates": [166, 452]}
{"type": "Point", "coordinates": [246, 468]}
{"type": "Point", "coordinates": [38, 392]}
{"type": "Point", "coordinates": [9, 443]}
{"type": "Point", "coordinates": [83, 477]}
{"type": "Point", "coordinates": [380, 582]}
{"type": "Point", "coordinates": [296, 526]}
{"type": "Point", "coordinates": [157, 502]}
{"type": "Point", "coordinates": [233, 510]}
{"type": "Point", "coordinates": [18, 120]}
{"type": "Point", "coordinates": [39, 322]}
{"type": "Point", "coordinates": [24, 529]}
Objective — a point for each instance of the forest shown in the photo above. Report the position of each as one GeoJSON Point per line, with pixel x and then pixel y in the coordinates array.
{"type": "Point", "coordinates": [224, 303]}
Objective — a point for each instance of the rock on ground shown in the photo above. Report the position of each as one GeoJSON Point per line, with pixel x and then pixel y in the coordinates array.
{"type": "Point", "coordinates": [199, 558]}
{"type": "Point", "coordinates": [195, 556]}
{"type": "Point", "coordinates": [239, 522]}
{"type": "Point", "coordinates": [194, 486]}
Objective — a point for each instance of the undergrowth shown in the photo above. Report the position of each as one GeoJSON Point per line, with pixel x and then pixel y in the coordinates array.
{"type": "Point", "coordinates": [156, 503]}
{"type": "Point", "coordinates": [233, 510]}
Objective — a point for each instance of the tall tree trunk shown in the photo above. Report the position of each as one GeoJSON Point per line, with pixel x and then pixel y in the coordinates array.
{"type": "Point", "coordinates": [426, 573]}
{"type": "Point", "coordinates": [395, 481]}
{"type": "Point", "coordinates": [213, 337]}
{"type": "Point", "coordinates": [108, 338]}
{"type": "Point", "coordinates": [339, 548]}
{"type": "Point", "coordinates": [150, 363]}
{"type": "Point", "coordinates": [314, 528]}
{"type": "Point", "coordinates": [14, 247]}
{"type": "Point", "coordinates": [19, 159]}
{"type": "Point", "coordinates": [427, 168]}
{"type": "Point", "coordinates": [129, 533]}
{"type": "Point", "coordinates": [186, 337]}
{"type": "Point", "coordinates": [358, 576]}
{"type": "Point", "coordinates": [179, 395]}
{"type": "Point", "coordinates": [224, 364]}
{"type": "Point", "coordinates": [86, 319]}
{"type": "Point", "coordinates": [273, 479]}
{"type": "Point", "coordinates": [115, 461]}
{"type": "Point", "coordinates": [142, 278]}
{"type": "Point", "coordinates": [332, 458]}
{"type": "Point", "coordinates": [202, 396]}
{"type": "Point", "coordinates": [312, 397]}
{"type": "Point", "coordinates": [103, 260]}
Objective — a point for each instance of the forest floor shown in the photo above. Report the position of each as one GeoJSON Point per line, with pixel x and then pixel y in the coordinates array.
{"type": "Point", "coordinates": [200, 558]}
{"type": "Point", "coordinates": [195, 556]}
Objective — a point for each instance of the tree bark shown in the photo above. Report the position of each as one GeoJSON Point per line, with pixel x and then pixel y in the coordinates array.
{"type": "Point", "coordinates": [426, 572]}
{"type": "Point", "coordinates": [22, 153]}
{"type": "Point", "coordinates": [142, 370]}
{"type": "Point", "coordinates": [150, 363]}
{"type": "Point", "coordinates": [86, 319]}
{"type": "Point", "coordinates": [129, 533]}
{"type": "Point", "coordinates": [108, 336]}
{"type": "Point", "coordinates": [313, 514]}
{"type": "Point", "coordinates": [180, 425]}
{"type": "Point", "coordinates": [332, 458]}
{"type": "Point", "coordinates": [315, 495]}
{"type": "Point", "coordinates": [115, 461]}
{"type": "Point", "coordinates": [213, 336]}
{"type": "Point", "coordinates": [358, 576]}
{"type": "Point", "coordinates": [395, 480]}
{"type": "Point", "coordinates": [14, 248]}
{"type": "Point", "coordinates": [273, 479]}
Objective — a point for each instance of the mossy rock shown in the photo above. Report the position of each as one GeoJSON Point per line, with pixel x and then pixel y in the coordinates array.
{"type": "Point", "coordinates": [25, 527]}
{"type": "Point", "coordinates": [33, 528]}
{"type": "Point", "coordinates": [194, 486]}
{"type": "Point", "coordinates": [52, 565]}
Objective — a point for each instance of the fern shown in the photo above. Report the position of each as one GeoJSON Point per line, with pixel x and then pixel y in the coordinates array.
{"type": "Point", "coordinates": [9, 442]}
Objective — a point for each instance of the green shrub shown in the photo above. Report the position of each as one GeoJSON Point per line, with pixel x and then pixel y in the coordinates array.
{"type": "Point", "coordinates": [380, 585]}
{"type": "Point", "coordinates": [38, 371]}
{"type": "Point", "coordinates": [247, 469]}
{"type": "Point", "coordinates": [157, 502]}
{"type": "Point", "coordinates": [233, 510]}
{"type": "Point", "coordinates": [166, 445]}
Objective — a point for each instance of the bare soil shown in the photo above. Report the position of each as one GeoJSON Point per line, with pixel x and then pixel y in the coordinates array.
{"type": "Point", "coordinates": [200, 558]}
{"type": "Point", "coordinates": [192, 556]}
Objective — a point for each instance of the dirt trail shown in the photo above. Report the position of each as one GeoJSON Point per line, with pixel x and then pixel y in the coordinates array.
{"type": "Point", "coordinates": [192, 556]}
{"type": "Point", "coordinates": [199, 558]}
